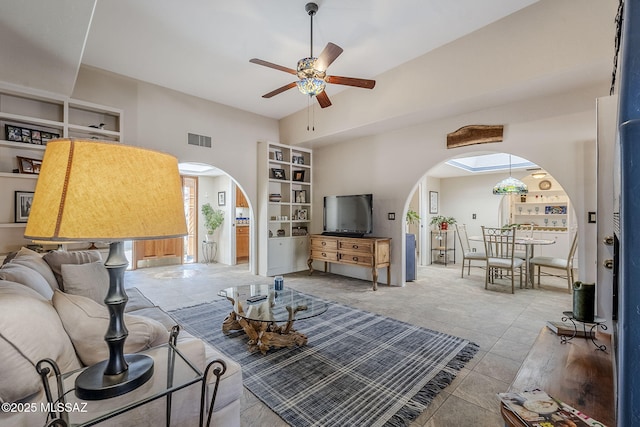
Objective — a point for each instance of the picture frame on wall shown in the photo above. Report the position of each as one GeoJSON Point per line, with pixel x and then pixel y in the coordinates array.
{"type": "Point", "coordinates": [23, 202]}
{"type": "Point", "coordinates": [433, 202]}
{"type": "Point", "coordinates": [222, 198]}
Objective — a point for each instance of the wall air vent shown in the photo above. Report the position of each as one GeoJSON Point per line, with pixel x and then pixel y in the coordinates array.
{"type": "Point", "coordinates": [199, 140]}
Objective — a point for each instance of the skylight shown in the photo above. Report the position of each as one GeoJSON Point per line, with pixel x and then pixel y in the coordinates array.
{"type": "Point", "coordinates": [490, 163]}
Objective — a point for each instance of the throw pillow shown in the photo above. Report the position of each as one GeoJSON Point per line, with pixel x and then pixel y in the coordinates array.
{"type": "Point", "coordinates": [30, 330]}
{"type": "Point", "coordinates": [35, 261]}
{"type": "Point", "coordinates": [89, 280]}
{"type": "Point", "coordinates": [55, 259]}
{"type": "Point", "coordinates": [86, 322]}
{"type": "Point", "coordinates": [14, 272]}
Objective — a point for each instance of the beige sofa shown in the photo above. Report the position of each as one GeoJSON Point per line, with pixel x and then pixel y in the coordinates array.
{"type": "Point", "coordinates": [51, 307]}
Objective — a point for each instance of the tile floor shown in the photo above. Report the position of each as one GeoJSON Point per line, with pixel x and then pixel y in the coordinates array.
{"type": "Point", "coordinates": [503, 325]}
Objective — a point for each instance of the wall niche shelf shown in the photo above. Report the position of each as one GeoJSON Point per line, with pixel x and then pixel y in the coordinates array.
{"type": "Point", "coordinates": [38, 114]}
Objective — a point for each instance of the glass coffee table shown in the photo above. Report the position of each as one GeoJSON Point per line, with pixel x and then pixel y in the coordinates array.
{"type": "Point", "coordinates": [258, 309]}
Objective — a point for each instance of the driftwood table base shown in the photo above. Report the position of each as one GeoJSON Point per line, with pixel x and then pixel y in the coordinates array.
{"type": "Point", "coordinates": [264, 335]}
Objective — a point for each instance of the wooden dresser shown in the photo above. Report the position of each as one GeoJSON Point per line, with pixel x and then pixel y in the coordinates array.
{"type": "Point", "coordinates": [370, 252]}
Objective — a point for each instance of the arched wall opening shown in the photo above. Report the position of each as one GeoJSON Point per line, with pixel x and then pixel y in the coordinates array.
{"type": "Point", "coordinates": [466, 195]}
{"type": "Point", "coordinates": [234, 238]}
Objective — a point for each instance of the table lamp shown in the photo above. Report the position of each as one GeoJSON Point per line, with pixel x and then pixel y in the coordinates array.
{"type": "Point", "coordinates": [91, 191]}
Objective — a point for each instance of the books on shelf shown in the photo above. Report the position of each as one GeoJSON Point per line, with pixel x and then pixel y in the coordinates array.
{"type": "Point", "coordinates": [568, 329]}
{"type": "Point", "coordinates": [535, 408]}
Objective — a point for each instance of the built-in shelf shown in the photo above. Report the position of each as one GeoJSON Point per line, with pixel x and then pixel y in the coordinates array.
{"type": "Point", "coordinates": [13, 225]}
{"type": "Point", "coordinates": [283, 225]}
{"type": "Point", "coordinates": [39, 113]}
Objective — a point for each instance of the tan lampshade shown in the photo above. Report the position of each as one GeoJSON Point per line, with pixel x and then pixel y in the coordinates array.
{"type": "Point", "coordinates": [91, 190]}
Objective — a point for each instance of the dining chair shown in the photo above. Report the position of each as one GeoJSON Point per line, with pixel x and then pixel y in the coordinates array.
{"type": "Point", "coordinates": [565, 264]}
{"type": "Point", "coordinates": [523, 231]}
{"type": "Point", "coordinates": [499, 245]}
{"type": "Point", "coordinates": [467, 254]}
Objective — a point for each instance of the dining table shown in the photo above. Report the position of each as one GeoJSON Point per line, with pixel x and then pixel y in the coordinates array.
{"type": "Point", "coordinates": [529, 244]}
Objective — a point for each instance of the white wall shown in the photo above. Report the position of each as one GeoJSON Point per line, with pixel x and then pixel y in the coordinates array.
{"type": "Point", "coordinates": [160, 119]}
{"type": "Point", "coordinates": [208, 188]}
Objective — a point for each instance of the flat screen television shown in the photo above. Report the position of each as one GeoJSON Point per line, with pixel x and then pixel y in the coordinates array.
{"type": "Point", "coordinates": [348, 215]}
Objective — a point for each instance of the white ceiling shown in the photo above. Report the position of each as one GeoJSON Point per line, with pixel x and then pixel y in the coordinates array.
{"type": "Point", "coordinates": [203, 47]}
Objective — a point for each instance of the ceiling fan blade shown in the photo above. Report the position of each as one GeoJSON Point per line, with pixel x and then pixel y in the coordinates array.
{"type": "Point", "coordinates": [351, 81]}
{"type": "Point", "coordinates": [274, 66]}
{"type": "Point", "coordinates": [279, 90]}
{"type": "Point", "coordinates": [328, 55]}
{"type": "Point", "coordinates": [323, 99]}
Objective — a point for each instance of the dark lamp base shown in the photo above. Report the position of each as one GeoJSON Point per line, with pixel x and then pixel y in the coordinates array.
{"type": "Point", "coordinates": [93, 384]}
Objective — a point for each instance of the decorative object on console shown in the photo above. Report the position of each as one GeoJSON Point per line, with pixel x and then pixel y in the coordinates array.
{"type": "Point", "coordinates": [98, 191]}
{"type": "Point", "coordinates": [584, 299]}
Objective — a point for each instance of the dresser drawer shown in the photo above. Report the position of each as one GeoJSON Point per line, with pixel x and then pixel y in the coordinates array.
{"type": "Point", "coordinates": [324, 244]}
{"type": "Point", "coordinates": [355, 259]}
{"type": "Point", "coordinates": [352, 245]}
{"type": "Point", "coordinates": [323, 255]}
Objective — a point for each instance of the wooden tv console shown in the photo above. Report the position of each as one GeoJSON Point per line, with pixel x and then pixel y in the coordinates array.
{"type": "Point", "coordinates": [371, 252]}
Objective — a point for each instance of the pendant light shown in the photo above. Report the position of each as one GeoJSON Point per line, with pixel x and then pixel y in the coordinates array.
{"type": "Point", "coordinates": [510, 185]}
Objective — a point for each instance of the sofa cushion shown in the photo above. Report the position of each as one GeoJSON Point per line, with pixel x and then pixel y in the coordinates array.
{"type": "Point", "coordinates": [30, 330]}
{"type": "Point", "coordinates": [35, 261]}
{"type": "Point", "coordinates": [26, 276]}
{"type": "Point", "coordinates": [86, 322]}
{"type": "Point", "coordinates": [89, 280]}
{"type": "Point", "coordinates": [55, 259]}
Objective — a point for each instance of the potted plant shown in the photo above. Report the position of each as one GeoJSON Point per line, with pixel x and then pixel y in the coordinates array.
{"type": "Point", "coordinates": [412, 217]}
{"type": "Point", "coordinates": [443, 222]}
{"type": "Point", "coordinates": [213, 218]}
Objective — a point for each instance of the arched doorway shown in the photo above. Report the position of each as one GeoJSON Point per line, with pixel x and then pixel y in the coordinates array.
{"type": "Point", "coordinates": [462, 188]}
{"type": "Point", "coordinates": [230, 243]}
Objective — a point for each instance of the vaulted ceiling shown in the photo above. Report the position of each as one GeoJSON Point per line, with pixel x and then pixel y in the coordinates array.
{"type": "Point", "coordinates": [203, 47]}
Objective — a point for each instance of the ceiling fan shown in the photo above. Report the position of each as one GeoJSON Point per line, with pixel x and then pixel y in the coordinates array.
{"type": "Point", "coordinates": [312, 71]}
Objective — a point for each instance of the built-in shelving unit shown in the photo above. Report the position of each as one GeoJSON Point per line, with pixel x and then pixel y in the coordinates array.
{"type": "Point", "coordinates": [284, 217]}
{"type": "Point", "coordinates": [547, 210]}
{"type": "Point", "coordinates": [28, 120]}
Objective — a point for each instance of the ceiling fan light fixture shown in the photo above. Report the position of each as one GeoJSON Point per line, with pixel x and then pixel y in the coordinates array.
{"type": "Point", "coordinates": [311, 79]}
{"type": "Point", "coordinates": [311, 86]}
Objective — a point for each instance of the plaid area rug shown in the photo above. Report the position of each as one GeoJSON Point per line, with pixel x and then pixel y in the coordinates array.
{"type": "Point", "coordinates": [358, 368]}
